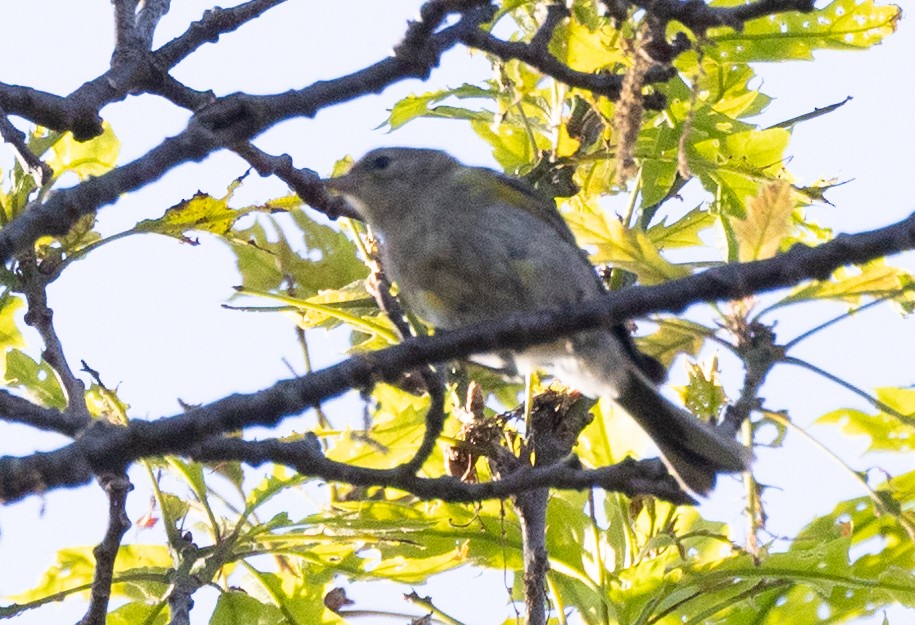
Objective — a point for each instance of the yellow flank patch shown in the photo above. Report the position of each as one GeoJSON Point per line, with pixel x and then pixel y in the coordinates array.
{"type": "Point", "coordinates": [429, 305]}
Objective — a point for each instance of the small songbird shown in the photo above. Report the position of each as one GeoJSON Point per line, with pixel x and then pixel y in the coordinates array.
{"type": "Point", "coordinates": [467, 244]}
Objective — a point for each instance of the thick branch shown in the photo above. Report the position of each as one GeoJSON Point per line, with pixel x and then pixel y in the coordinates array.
{"type": "Point", "coordinates": [699, 16]}
{"type": "Point", "coordinates": [51, 111]}
{"type": "Point", "coordinates": [106, 448]}
{"type": "Point", "coordinates": [629, 476]}
{"type": "Point", "coordinates": [18, 410]}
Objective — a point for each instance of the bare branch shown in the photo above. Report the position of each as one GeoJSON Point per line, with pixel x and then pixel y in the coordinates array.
{"type": "Point", "coordinates": [215, 22]}
{"type": "Point", "coordinates": [227, 122]}
{"type": "Point", "coordinates": [51, 111]}
{"type": "Point", "coordinates": [629, 476]}
{"type": "Point", "coordinates": [41, 317]}
{"type": "Point", "coordinates": [304, 182]}
{"type": "Point", "coordinates": [39, 170]}
{"type": "Point", "coordinates": [537, 56]}
{"type": "Point", "coordinates": [18, 410]}
{"type": "Point", "coordinates": [103, 447]}
{"type": "Point", "coordinates": [699, 16]}
{"type": "Point", "coordinates": [148, 18]}
{"type": "Point", "coordinates": [117, 487]}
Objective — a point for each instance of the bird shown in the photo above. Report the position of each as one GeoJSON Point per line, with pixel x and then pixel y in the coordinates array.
{"type": "Point", "coordinates": [466, 245]}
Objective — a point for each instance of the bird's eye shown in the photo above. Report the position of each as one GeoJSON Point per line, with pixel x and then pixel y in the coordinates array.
{"type": "Point", "coordinates": [381, 162]}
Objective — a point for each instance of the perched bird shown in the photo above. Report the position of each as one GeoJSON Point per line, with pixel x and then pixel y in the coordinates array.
{"type": "Point", "coordinates": [467, 244]}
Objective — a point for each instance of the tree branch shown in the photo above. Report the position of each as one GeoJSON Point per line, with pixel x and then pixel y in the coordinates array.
{"type": "Point", "coordinates": [699, 16]}
{"type": "Point", "coordinates": [226, 122]}
{"type": "Point", "coordinates": [117, 487]}
{"type": "Point", "coordinates": [18, 410]}
{"type": "Point", "coordinates": [40, 170]}
{"type": "Point", "coordinates": [104, 447]}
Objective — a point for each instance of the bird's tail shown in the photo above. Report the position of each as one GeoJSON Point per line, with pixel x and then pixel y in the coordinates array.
{"type": "Point", "coordinates": [599, 364]}
{"type": "Point", "coordinates": [693, 450]}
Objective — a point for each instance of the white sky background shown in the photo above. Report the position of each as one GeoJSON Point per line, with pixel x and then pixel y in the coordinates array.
{"type": "Point", "coordinates": [145, 312]}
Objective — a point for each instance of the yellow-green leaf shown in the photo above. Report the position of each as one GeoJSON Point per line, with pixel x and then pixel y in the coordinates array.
{"type": "Point", "coordinates": [850, 284]}
{"type": "Point", "coordinates": [585, 50]}
{"type": "Point", "coordinates": [767, 222]}
{"type": "Point", "coordinates": [736, 167]}
{"type": "Point", "coordinates": [704, 395]}
{"type": "Point", "coordinates": [36, 378]}
{"type": "Point", "coordinates": [682, 233]}
{"type": "Point", "coordinates": [886, 431]}
{"type": "Point", "coordinates": [629, 249]}
{"type": "Point", "coordinates": [88, 158]}
{"type": "Point", "coordinates": [10, 337]}
{"type": "Point", "coordinates": [674, 337]}
{"type": "Point", "coordinates": [840, 25]}
{"type": "Point", "coordinates": [201, 212]}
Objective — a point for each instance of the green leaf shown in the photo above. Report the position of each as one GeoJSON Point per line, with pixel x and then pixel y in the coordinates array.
{"type": "Point", "coordinates": [704, 395]}
{"type": "Point", "coordinates": [372, 325]}
{"type": "Point", "coordinates": [10, 337]}
{"type": "Point", "coordinates": [37, 379]}
{"type": "Point", "coordinates": [276, 483]}
{"type": "Point", "coordinates": [238, 608]}
{"type": "Point", "coordinates": [766, 224]}
{"type": "Point", "coordinates": [682, 233]}
{"type": "Point", "coordinates": [397, 426]}
{"type": "Point", "coordinates": [270, 260]}
{"type": "Point", "coordinates": [298, 596]}
{"type": "Point", "coordinates": [511, 144]}
{"type": "Point", "coordinates": [851, 284]}
{"type": "Point", "coordinates": [611, 437]}
{"type": "Point", "coordinates": [135, 613]}
{"type": "Point", "coordinates": [887, 432]}
{"type": "Point", "coordinates": [74, 568]}
{"type": "Point", "coordinates": [82, 234]}
{"type": "Point", "coordinates": [202, 212]}
{"type": "Point", "coordinates": [587, 50]}
{"type": "Point", "coordinates": [658, 176]}
{"type": "Point", "coordinates": [416, 106]}
{"type": "Point", "coordinates": [629, 249]}
{"type": "Point", "coordinates": [736, 168]}
{"type": "Point", "coordinates": [840, 25]}
{"type": "Point", "coordinates": [674, 337]}
{"type": "Point", "coordinates": [89, 158]}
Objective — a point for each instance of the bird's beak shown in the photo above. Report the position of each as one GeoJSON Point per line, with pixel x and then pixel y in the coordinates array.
{"type": "Point", "coordinates": [344, 186]}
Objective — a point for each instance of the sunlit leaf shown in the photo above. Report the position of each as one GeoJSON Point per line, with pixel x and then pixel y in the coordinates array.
{"type": "Point", "coordinates": [851, 284]}
{"type": "Point", "coordinates": [88, 158]}
{"type": "Point", "coordinates": [887, 432]}
{"type": "Point", "coordinates": [735, 168]}
{"type": "Point", "coordinates": [674, 337]}
{"type": "Point", "coordinates": [704, 395]}
{"type": "Point", "coordinates": [139, 612]}
{"type": "Point", "coordinates": [841, 25]}
{"type": "Point", "coordinates": [324, 258]}
{"type": "Point", "coordinates": [766, 224]}
{"type": "Point", "coordinates": [682, 233]}
{"type": "Point", "coordinates": [36, 379]}
{"type": "Point", "coordinates": [238, 608]}
{"type": "Point", "coordinates": [10, 337]}
{"type": "Point", "coordinates": [427, 105]}
{"type": "Point", "coordinates": [202, 212]}
{"type": "Point", "coordinates": [587, 50]}
{"type": "Point", "coordinates": [397, 426]}
{"type": "Point", "coordinates": [629, 249]}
